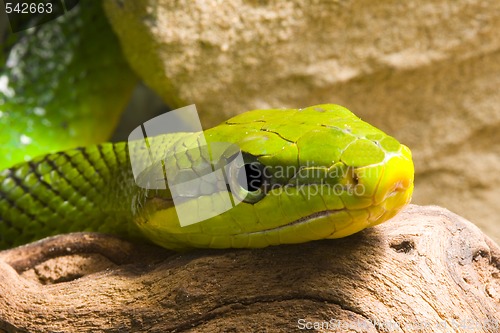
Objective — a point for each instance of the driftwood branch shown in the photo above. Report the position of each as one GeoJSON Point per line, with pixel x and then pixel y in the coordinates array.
{"type": "Point", "coordinates": [427, 270]}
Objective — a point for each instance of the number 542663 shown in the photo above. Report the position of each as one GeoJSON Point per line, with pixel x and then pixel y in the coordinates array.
{"type": "Point", "coordinates": [28, 8]}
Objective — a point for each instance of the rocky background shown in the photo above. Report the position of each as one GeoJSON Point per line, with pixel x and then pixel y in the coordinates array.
{"type": "Point", "coordinates": [427, 72]}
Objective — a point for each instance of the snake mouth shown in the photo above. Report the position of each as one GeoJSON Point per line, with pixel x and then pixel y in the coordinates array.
{"type": "Point", "coordinates": [306, 219]}
{"type": "Point", "coordinates": [328, 224]}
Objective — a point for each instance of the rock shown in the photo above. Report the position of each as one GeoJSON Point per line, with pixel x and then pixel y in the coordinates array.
{"type": "Point", "coordinates": [426, 72]}
{"type": "Point", "coordinates": [427, 270]}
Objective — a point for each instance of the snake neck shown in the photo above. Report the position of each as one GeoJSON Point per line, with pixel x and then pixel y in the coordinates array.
{"type": "Point", "coordinates": [85, 189]}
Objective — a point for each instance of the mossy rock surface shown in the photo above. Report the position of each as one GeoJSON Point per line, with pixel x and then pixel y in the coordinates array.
{"type": "Point", "coordinates": [63, 84]}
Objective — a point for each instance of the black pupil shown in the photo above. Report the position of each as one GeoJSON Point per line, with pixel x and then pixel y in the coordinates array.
{"type": "Point", "coordinates": [252, 178]}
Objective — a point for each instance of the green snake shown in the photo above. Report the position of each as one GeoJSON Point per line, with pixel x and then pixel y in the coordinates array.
{"type": "Point", "coordinates": [329, 175]}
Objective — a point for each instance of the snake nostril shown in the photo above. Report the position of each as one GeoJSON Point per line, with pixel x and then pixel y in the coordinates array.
{"type": "Point", "coordinates": [355, 179]}
{"type": "Point", "coordinates": [350, 178]}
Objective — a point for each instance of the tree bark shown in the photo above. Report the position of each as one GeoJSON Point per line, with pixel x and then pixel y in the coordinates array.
{"type": "Point", "coordinates": [426, 270]}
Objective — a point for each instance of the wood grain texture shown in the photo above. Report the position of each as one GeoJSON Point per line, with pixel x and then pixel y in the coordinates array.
{"type": "Point", "coordinates": [424, 270]}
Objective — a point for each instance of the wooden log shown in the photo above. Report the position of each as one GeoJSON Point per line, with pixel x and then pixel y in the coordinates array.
{"type": "Point", "coordinates": [426, 270]}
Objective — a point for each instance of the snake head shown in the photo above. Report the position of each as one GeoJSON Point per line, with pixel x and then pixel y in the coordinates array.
{"type": "Point", "coordinates": [308, 174]}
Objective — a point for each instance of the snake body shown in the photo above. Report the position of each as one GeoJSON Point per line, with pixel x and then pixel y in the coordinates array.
{"type": "Point", "coordinates": [328, 175]}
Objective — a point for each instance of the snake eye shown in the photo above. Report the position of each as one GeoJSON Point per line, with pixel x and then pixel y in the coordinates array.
{"type": "Point", "coordinates": [250, 177]}
{"type": "Point", "coordinates": [247, 180]}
